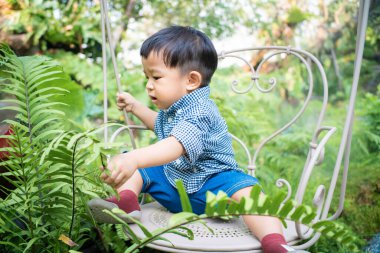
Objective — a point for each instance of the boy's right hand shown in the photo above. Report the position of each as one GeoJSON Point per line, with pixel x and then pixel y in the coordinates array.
{"type": "Point", "coordinates": [120, 168]}
{"type": "Point", "coordinates": [126, 101]}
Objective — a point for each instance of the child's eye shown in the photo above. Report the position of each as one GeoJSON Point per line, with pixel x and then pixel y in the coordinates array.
{"type": "Point", "coordinates": [156, 77]}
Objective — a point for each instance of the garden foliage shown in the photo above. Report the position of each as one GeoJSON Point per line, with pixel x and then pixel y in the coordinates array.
{"type": "Point", "coordinates": [42, 160]}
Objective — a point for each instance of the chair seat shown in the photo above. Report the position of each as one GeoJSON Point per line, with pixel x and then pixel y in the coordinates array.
{"type": "Point", "coordinates": [229, 236]}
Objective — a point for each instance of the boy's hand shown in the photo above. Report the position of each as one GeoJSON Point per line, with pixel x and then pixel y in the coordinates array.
{"type": "Point", "coordinates": [119, 170]}
{"type": "Point", "coordinates": [126, 101]}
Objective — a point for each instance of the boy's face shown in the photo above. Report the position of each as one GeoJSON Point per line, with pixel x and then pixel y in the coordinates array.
{"type": "Point", "coordinates": [164, 85]}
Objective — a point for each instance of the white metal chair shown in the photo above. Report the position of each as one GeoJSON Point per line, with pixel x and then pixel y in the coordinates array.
{"type": "Point", "coordinates": [233, 236]}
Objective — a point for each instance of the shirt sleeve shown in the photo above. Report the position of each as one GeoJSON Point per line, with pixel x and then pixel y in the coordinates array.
{"type": "Point", "coordinates": [189, 132]}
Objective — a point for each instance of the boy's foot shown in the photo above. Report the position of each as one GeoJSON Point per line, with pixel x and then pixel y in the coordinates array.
{"type": "Point", "coordinates": [128, 203]}
{"type": "Point", "coordinates": [275, 243]}
{"type": "Point", "coordinates": [290, 249]}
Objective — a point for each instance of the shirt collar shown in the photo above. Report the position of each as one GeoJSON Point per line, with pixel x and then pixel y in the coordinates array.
{"type": "Point", "coordinates": [191, 98]}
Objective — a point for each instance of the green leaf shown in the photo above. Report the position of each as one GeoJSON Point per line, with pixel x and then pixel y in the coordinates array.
{"type": "Point", "coordinates": [145, 230]}
{"type": "Point", "coordinates": [43, 123]}
{"type": "Point", "coordinates": [120, 232]}
{"type": "Point", "coordinates": [30, 244]}
{"type": "Point", "coordinates": [48, 133]}
{"type": "Point", "coordinates": [222, 207]}
{"type": "Point", "coordinates": [210, 197]}
{"type": "Point", "coordinates": [180, 218]}
{"type": "Point", "coordinates": [232, 207]}
{"type": "Point", "coordinates": [264, 204]}
{"type": "Point", "coordinates": [12, 101]}
{"type": "Point", "coordinates": [324, 226]}
{"type": "Point", "coordinates": [164, 239]}
{"type": "Point", "coordinates": [36, 88]}
{"type": "Point", "coordinates": [132, 248]}
{"type": "Point", "coordinates": [17, 94]}
{"type": "Point", "coordinates": [296, 215]}
{"type": "Point", "coordinates": [287, 208]}
{"type": "Point", "coordinates": [309, 218]}
{"type": "Point", "coordinates": [241, 208]}
{"type": "Point", "coordinates": [254, 195]}
{"type": "Point", "coordinates": [185, 202]}
{"type": "Point", "coordinates": [188, 232]}
{"type": "Point", "coordinates": [42, 98]}
{"type": "Point", "coordinates": [33, 82]}
{"type": "Point", "coordinates": [38, 108]}
{"type": "Point", "coordinates": [133, 236]}
{"type": "Point", "coordinates": [14, 108]}
{"type": "Point", "coordinates": [11, 244]}
{"type": "Point", "coordinates": [276, 202]}
{"type": "Point", "coordinates": [74, 139]}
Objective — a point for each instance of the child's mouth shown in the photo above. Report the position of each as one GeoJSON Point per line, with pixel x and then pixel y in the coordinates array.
{"type": "Point", "coordinates": [154, 99]}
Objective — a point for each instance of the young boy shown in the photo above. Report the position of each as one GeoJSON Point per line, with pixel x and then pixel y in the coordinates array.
{"type": "Point", "coordinates": [194, 144]}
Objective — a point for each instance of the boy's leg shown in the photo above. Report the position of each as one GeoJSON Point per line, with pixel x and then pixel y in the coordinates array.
{"type": "Point", "coordinates": [133, 184]}
{"type": "Point", "coordinates": [260, 226]}
{"type": "Point", "coordinates": [266, 228]}
{"type": "Point", "coordinates": [128, 201]}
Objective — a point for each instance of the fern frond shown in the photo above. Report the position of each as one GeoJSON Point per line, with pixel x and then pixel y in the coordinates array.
{"type": "Point", "coordinates": [120, 232]}
{"type": "Point", "coordinates": [219, 205]}
{"type": "Point", "coordinates": [132, 235]}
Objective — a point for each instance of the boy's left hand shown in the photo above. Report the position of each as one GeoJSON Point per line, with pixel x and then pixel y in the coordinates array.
{"type": "Point", "coordinates": [120, 169]}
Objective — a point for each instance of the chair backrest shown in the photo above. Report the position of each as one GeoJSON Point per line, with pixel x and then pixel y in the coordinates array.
{"type": "Point", "coordinates": [317, 140]}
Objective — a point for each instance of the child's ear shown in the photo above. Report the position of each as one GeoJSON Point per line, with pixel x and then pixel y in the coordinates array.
{"type": "Point", "coordinates": [194, 81]}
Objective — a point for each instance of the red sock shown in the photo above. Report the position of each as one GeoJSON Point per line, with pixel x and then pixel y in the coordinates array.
{"type": "Point", "coordinates": [128, 201]}
{"type": "Point", "coordinates": [272, 243]}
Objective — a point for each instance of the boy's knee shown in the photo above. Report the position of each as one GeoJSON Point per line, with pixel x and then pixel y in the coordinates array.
{"type": "Point", "coordinates": [244, 192]}
{"type": "Point", "coordinates": [241, 193]}
{"type": "Point", "coordinates": [134, 183]}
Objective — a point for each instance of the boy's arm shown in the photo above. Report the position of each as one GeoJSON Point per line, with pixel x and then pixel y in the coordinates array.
{"type": "Point", "coordinates": [124, 165]}
{"type": "Point", "coordinates": [145, 114]}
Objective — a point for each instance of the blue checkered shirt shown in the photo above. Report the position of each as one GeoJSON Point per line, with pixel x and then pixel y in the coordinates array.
{"type": "Point", "coordinates": [194, 120]}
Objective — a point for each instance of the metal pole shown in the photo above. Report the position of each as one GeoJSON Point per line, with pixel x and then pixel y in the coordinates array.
{"type": "Point", "coordinates": [345, 144]}
{"type": "Point", "coordinates": [105, 19]}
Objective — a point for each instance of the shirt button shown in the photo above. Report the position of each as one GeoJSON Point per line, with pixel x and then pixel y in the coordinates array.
{"type": "Point", "coordinates": [170, 119]}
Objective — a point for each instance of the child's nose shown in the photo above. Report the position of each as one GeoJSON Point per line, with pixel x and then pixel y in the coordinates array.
{"type": "Point", "coordinates": [149, 85]}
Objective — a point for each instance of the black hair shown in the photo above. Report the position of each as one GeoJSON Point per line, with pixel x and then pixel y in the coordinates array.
{"type": "Point", "coordinates": [183, 47]}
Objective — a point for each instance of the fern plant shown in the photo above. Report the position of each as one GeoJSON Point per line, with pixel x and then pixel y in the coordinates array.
{"type": "Point", "coordinates": [43, 160]}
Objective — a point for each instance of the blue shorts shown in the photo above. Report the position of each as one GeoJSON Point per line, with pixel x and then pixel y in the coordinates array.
{"type": "Point", "coordinates": [158, 186]}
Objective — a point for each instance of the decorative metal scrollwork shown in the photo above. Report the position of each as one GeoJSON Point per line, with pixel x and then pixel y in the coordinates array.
{"type": "Point", "coordinates": [280, 183]}
{"type": "Point", "coordinates": [255, 73]}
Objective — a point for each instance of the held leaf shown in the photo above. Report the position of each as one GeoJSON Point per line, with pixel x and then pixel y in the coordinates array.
{"type": "Point", "coordinates": [181, 217]}
{"type": "Point", "coordinates": [185, 202]}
